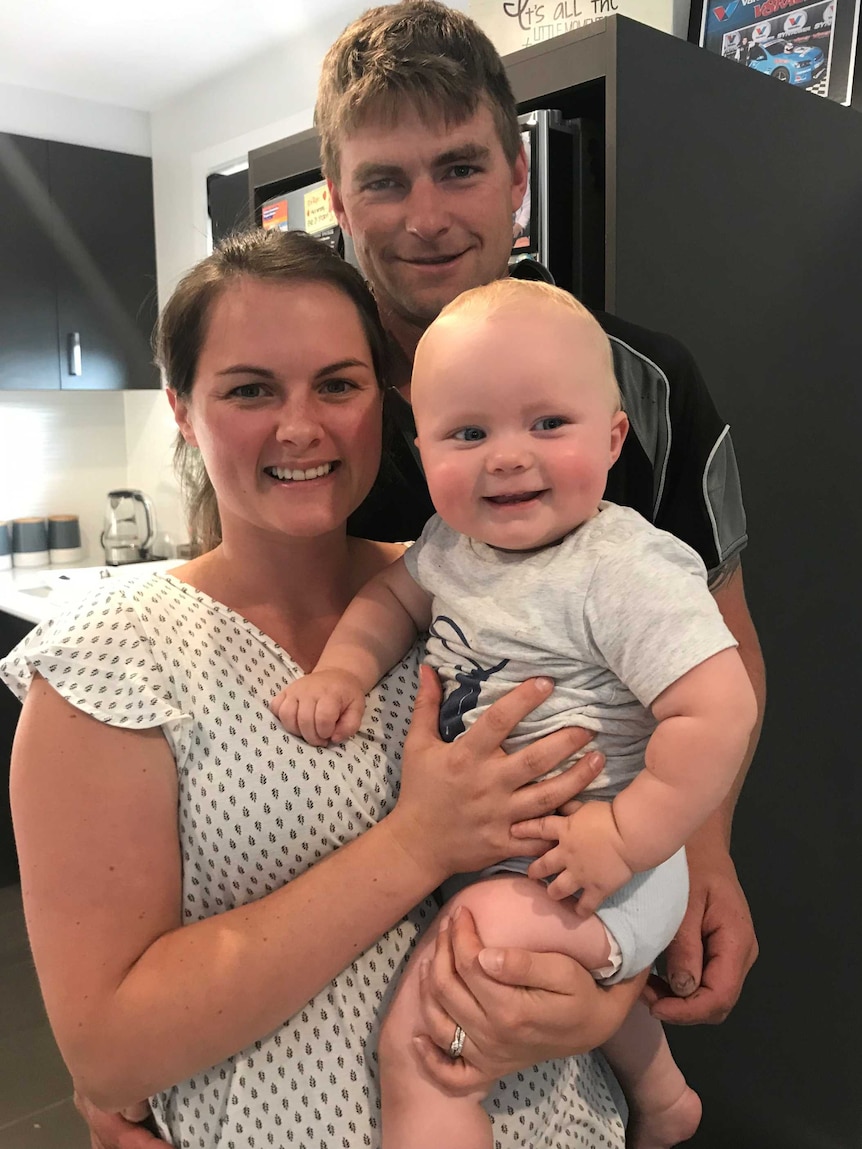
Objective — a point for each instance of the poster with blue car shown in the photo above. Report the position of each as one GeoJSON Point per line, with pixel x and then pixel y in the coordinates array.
{"type": "Point", "coordinates": [809, 46]}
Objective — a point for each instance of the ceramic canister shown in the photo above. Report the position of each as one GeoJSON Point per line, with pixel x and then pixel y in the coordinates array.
{"type": "Point", "coordinates": [64, 538]}
{"type": "Point", "coordinates": [29, 542]}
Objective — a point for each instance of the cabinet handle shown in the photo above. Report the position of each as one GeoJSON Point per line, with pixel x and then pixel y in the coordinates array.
{"type": "Point", "coordinates": [75, 353]}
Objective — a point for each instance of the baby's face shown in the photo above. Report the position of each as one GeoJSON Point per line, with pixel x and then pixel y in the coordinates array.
{"type": "Point", "coordinates": [516, 423]}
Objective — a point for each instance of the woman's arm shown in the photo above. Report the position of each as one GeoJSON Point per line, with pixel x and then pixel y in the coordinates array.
{"type": "Point", "coordinates": [139, 1001]}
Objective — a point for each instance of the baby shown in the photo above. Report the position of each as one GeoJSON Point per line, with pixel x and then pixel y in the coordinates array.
{"type": "Point", "coordinates": [525, 571]}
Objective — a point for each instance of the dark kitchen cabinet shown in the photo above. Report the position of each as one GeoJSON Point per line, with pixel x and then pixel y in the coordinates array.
{"type": "Point", "coordinates": [12, 630]}
{"type": "Point", "coordinates": [78, 231]}
{"type": "Point", "coordinates": [29, 355]}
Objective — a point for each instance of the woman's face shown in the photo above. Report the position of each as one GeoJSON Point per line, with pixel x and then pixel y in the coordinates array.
{"type": "Point", "coordinates": [285, 408]}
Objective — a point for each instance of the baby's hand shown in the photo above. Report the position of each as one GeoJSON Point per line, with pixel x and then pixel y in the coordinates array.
{"type": "Point", "coordinates": [588, 856]}
{"type": "Point", "coordinates": [324, 706]}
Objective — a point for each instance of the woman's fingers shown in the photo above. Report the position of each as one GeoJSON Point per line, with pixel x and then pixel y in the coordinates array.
{"type": "Point", "coordinates": [425, 719]}
{"type": "Point", "coordinates": [458, 1077]}
{"type": "Point", "coordinates": [489, 732]}
{"type": "Point", "coordinates": [542, 798]}
{"type": "Point", "coordinates": [445, 997]}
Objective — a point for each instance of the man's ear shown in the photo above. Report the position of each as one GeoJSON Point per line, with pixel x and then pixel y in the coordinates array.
{"type": "Point", "coordinates": [180, 408]}
{"type": "Point", "coordinates": [520, 175]}
{"type": "Point", "coordinates": [619, 430]}
{"type": "Point", "coordinates": [338, 207]}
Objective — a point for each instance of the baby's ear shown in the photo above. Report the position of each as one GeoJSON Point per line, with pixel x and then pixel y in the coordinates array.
{"type": "Point", "coordinates": [619, 430]}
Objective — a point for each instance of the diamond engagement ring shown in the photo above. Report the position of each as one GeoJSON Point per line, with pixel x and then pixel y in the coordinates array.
{"type": "Point", "coordinates": [457, 1046]}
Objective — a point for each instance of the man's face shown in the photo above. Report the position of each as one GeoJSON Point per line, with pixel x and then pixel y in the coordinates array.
{"type": "Point", "coordinates": [429, 208]}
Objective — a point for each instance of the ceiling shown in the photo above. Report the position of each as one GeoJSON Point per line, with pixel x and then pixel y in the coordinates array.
{"type": "Point", "coordinates": [141, 55]}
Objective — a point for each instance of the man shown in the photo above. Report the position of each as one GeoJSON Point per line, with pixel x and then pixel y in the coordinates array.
{"type": "Point", "coordinates": [422, 151]}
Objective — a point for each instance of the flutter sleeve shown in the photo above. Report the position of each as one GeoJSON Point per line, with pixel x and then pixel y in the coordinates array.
{"type": "Point", "coordinates": [99, 656]}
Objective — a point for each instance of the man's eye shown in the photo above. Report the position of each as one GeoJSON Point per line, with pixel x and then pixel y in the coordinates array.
{"type": "Point", "coordinates": [462, 171]}
{"type": "Point", "coordinates": [381, 185]}
{"type": "Point", "coordinates": [549, 423]}
{"type": "Point", "coordinates": [469, 434]}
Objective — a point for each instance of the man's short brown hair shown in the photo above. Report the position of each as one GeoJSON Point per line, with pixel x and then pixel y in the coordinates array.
{"type": "Point", "coordinates": [419, 53]}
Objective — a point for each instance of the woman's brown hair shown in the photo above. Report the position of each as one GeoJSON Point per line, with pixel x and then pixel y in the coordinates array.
{"type": "Point", "coordinates": [272, 256]}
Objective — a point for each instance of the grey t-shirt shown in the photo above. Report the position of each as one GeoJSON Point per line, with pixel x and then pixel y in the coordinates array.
{"type": "Point", "coordinates": [614, 613]}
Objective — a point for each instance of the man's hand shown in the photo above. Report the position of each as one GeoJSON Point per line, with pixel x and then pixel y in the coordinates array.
{"type": "Point", "coordinates": [324, 706]}
{"type": "Point", "coordinates": [117, 1130]}
{"type": "Point", "coordinates": [589, 855]}
{"type": "Point", "coordinates": [715, 947]}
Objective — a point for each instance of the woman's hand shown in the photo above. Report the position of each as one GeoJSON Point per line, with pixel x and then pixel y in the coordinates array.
{"type": "Point", "coordinates": [459, 800]}
{"type": "Point", "coordinates": [516, 1008]}
{"type": "Point", "coordinates": [117, 1130]}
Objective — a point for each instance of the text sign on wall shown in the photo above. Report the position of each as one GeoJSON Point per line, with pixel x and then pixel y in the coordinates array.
{"type": "Point", "coordinates": [515, 24]}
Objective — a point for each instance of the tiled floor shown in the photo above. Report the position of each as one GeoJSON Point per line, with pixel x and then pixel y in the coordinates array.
{"type": "Point", "coordinates": [36, 1110]}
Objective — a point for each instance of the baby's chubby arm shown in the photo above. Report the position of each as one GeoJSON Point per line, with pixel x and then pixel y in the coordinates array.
{"type": "Point", "coordinates": [374, 633]}
{"type": "Point", "coordinates": [704, 722]}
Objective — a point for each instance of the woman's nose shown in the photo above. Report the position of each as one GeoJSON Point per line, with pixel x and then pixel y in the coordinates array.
{"type": "Point", "coordinates": [427, 214]}
{"type": "Point", "coordinates": [299, 424]}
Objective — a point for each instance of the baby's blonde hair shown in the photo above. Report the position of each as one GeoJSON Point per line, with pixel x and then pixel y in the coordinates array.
{"type": "Point", "coordinates": [518, 294]}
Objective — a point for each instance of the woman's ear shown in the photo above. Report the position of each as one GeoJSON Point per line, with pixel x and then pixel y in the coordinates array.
{"type": "Point", "coordinates": [180, 408]}
{"type": "Point", "coordinates": [619, 430]}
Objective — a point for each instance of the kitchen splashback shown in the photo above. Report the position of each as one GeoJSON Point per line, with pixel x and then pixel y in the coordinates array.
{"type": "Point", "coordinates": [59, 453]}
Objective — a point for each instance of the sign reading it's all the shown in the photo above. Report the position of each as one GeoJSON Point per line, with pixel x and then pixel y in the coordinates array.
{"type": "Point", "coordinates": [514, 24]}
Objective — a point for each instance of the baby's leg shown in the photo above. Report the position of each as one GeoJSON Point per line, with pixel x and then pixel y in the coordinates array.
{"type": "Point", "coordinates": [663, 1109]}
{"type": "Point", "coordinates": [509, 910]}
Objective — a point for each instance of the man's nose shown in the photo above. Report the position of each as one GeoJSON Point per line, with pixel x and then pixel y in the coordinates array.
{"type": "Point", "coordinates": [427, 214]}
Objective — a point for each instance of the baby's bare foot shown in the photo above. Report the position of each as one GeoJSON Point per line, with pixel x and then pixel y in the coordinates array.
{"type": "Point", "coordinates": [662, 1128]}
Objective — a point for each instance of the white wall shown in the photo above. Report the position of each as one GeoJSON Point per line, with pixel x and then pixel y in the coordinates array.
{"type": "Point", "coordinates": [48, 116]}
{"type": "Point", "coordinates": [209, 129]}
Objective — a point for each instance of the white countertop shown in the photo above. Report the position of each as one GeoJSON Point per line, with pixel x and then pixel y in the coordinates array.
{"type": "Point", "coordinates": [33, 594]}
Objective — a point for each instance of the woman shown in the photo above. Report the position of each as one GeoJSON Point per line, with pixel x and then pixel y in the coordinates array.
{"type": "Point", "coordinates": [192, 875]}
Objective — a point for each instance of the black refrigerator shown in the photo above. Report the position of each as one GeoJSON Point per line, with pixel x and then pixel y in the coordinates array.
{"type": "Point", "coordinates": [729, 214]}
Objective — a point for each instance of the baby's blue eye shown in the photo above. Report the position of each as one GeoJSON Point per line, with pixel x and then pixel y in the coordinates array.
{"type": "Point", "coordinates": [549, 423]}
{"type": "Point", "coordinates": [469, 434]}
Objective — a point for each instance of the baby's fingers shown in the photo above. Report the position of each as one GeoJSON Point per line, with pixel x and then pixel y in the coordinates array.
{"type": "Point", "coordinates": [589, 901]}
{"type": "Point", "coordinates": [285, 706]}
{"type": "Point", "coordinates": [549, 828]}
{"type": "Point", "coordinates": [310, 728]}
{"type": "Point", "coordinates": [563, 886]}
{"type": "Point", "coordinates": [547, 865]}
{"type": "Point", "coordinates": [349, 722]}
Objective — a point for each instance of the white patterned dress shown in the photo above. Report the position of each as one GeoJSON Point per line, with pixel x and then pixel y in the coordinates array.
{"type": "Point", "coordinates": [257, 807]}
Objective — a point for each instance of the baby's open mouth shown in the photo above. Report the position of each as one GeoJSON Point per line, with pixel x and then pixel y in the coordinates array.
{"type": "Point", "coordinates": [507, 500]}
{"type": "Point", "coordinates": [288, 475]}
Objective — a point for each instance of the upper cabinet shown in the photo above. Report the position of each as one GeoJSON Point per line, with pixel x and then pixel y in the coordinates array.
{"type": "Point", "coordinates": [78, 273]}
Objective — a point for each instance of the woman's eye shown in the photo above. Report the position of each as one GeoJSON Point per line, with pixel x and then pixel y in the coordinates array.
{"type": "Point", "coordinates": [247, 391]}
{"type": "Point", "coordinates": [549, 423]}
{"type": "Point", "coordinates": [469, 434]}
{"type": "Point", "coordinates": [337, 386]}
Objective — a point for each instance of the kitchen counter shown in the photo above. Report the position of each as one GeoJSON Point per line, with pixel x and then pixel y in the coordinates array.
{"type": "Point", "coordinates": [33, 594]}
